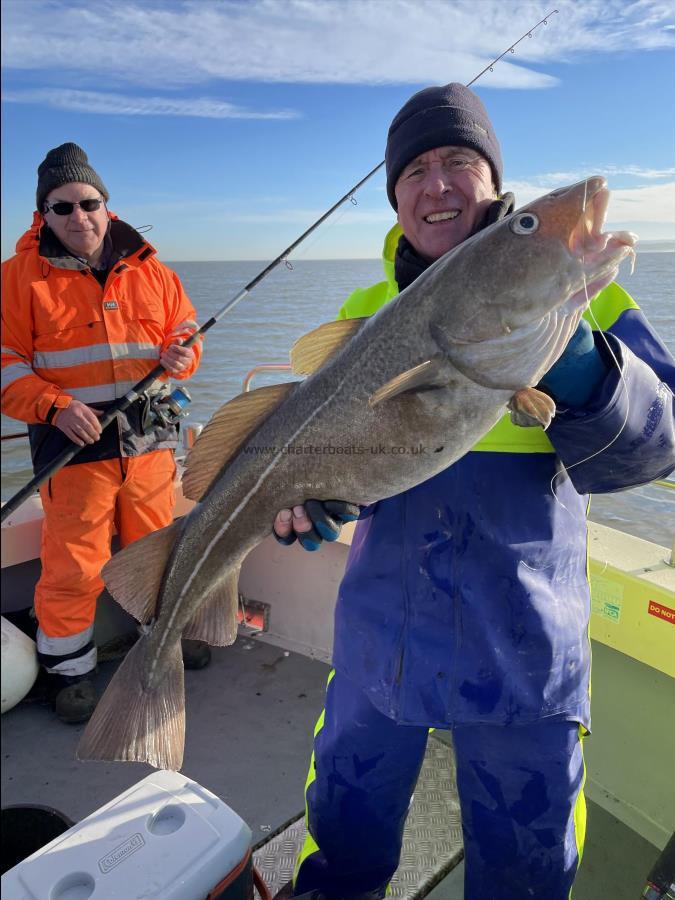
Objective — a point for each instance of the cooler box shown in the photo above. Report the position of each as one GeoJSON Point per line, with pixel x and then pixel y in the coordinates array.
{"type": "Point", "coordinates": [166, 837]}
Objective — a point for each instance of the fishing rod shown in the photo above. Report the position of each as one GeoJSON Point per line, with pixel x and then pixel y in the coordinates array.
{"type": "Point", "coordinates": [123, 403]}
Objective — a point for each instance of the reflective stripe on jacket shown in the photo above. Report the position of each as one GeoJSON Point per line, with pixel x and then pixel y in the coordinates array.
{"type": "Point", "coordinates": [466, 599]}
{"type": "Point", "coordinates": [65, 336]}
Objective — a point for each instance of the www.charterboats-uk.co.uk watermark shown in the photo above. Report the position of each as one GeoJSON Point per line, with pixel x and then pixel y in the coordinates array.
{"type": "Point", "coordinates": [340, 450]}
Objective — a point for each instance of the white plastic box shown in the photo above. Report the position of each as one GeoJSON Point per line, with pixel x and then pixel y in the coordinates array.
{"type": "Point", "coordinates": [166, 837]}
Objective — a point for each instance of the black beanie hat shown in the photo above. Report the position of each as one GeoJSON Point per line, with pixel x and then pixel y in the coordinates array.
{"type": "Point", "coordinates": [451, 115]}
{"type": "Point", "coordinates": [63, 165]}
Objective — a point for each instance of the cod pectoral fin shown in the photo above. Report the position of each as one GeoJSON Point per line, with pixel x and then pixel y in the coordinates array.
{"type": "Point", "coordinates": [134, 575]}
{"type": "Point", "coordinates": [314, 349]}
{"type": "Point", "coordinates": [226, 432]}
{"type": "Point", "coordinates": [135, 724]}
{"type": "Point", "coordinates": [216, 619]}
{"type": "Point", "coordinates": [531, 407]}
{"type": "Point", "coordinates": [419, 377]}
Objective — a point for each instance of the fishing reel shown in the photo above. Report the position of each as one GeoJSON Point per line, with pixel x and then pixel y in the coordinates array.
{"type": "Point", "coordinates": [165, 409]}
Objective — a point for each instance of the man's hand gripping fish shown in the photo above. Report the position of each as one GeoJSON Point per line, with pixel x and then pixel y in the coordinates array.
{"type": "Point", "coordinates": [434, 369]}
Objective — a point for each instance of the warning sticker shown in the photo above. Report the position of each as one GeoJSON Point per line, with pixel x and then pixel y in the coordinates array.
{"type": "Point", "coordinates": [661, 611]}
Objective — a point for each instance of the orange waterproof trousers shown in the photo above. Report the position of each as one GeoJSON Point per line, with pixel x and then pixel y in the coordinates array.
{"type": "Point", "coordinates": [82, 503]}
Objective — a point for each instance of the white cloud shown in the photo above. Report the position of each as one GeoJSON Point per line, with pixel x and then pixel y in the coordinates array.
{"type": "Point", "coordinates": [124, 105]}
{"type": "Point", "coordinates": [652, 205]}
{"type": "Point", "coordinates": [646, 204]}
{"type": "Point", "coordinates": [551, 180]}
{"type": "Point", "coordinates": [320, 41]}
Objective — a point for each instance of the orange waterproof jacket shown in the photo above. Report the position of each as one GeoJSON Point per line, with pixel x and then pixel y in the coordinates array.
{"type": "Point", "coordinates": [65, 336]}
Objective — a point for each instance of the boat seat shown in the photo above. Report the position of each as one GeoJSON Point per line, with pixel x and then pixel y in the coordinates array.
{"type": "Point", "coordinates": [432, 840]}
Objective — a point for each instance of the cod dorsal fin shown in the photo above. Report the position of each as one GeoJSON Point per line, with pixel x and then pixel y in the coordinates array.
{"type": "Point", "coordinates": [314, 349]}
{"type": "Point", "coordinates": [421, 376]}
{"type": "Point", "coordinates": [225, 433]}
{"type": "Point", "coordinates": [134, 575]}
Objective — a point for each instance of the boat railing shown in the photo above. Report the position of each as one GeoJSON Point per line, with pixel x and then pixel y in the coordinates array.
{"type": "Point", "coordinates": [264, 367]}
{"type": "Point", "coordinates": [15, 436]}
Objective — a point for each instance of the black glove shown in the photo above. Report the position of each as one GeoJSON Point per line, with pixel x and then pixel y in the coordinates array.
{"type": "Point", "coordinates": [327, 518]}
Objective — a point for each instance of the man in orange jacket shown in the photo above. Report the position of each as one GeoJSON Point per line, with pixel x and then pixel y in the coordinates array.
{"type": "Point", "coordinates": [88, 311]}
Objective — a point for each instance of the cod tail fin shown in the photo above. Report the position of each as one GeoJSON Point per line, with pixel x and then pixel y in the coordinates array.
{"type": "Point", "coordinates": [216, 619]}
{"type": "Point", "coordinates": [136, 724]}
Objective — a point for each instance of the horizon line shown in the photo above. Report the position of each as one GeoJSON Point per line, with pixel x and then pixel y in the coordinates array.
{"type": "Point", "coordinates": [262, 259]}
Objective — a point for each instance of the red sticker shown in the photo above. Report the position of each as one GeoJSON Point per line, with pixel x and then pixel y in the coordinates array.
{"type": "Point", "coordinates": [661, 611]}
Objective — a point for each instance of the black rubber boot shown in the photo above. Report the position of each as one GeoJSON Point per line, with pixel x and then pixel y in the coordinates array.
{"type": "Point", "coordinates": [196, 654]}
{"type": "Point", "coordinates": [73, 697]}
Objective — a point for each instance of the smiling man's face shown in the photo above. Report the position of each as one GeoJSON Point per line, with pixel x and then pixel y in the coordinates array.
{"type": "Point", "coordinates": [442, 195]}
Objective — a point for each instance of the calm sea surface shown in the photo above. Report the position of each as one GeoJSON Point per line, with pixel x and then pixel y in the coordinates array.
{"type": "Point", "coordinates": [290, 302]}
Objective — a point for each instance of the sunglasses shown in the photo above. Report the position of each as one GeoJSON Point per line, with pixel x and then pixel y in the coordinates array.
{"type": "Point", "coordinates": [65, 208]}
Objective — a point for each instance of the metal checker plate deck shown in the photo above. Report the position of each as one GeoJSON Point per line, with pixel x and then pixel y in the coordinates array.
{"type": "Point", "coordinates": [432, 840]}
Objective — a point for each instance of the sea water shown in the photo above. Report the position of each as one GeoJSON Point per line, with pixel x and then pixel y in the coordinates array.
{"type": "Point", "coordinates": [291, 301]}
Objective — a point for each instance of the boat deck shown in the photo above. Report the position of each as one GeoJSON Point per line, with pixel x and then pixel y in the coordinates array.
{"type": "Point", "coordinates": [250, 720]}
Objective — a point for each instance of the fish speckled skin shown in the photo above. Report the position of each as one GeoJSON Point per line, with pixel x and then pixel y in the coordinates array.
{"type": "Point", "coordinates": [488, 319]}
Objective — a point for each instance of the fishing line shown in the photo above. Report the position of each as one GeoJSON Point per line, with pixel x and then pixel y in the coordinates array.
{"type": "Point", "coordinates": [586, 459]}
{"type": "Point", "coordinates": [123, 403]}
{"type": "Point", "coordinates": [335, 219]}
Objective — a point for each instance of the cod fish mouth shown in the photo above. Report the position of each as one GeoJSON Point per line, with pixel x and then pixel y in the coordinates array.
{"type": "Point", "coordinates": [599, 252]}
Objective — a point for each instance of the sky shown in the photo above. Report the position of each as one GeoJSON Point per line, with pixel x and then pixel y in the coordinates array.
{"type": "Point", "coordinates": [229, 126]}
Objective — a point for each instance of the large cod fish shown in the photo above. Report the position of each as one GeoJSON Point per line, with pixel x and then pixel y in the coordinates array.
{"type": "Point", "coordinates": [433, 370]}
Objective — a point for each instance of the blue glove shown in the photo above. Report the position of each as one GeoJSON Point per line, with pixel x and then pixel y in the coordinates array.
{"type": "Point", "coordinates": [327, 518]}
{"type": "Point", "coordinates": [579, 372]}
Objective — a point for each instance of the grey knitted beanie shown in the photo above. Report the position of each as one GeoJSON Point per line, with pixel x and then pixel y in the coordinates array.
{"type": "Point", "coordinates": [63, 165]}
{"type": "Point", "coordinates": [451, 115]}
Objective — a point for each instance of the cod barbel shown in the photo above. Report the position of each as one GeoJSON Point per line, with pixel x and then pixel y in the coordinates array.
{"type": "Point", "coordinates": [434, 369]}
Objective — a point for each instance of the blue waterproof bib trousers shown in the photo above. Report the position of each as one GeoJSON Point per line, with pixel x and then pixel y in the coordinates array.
{"type": "Point", "coordinates": [520, 790]}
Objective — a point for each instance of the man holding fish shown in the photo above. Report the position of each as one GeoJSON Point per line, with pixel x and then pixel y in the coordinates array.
{"type": "Point", "coordinates": [465, 603]}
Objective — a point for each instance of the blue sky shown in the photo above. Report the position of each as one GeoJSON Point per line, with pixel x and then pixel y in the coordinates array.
{"type": "Point", "coordinates": [230, 125]}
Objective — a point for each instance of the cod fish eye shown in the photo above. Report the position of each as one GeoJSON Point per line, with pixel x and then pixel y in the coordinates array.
{"type": "Point", "coordinates": [524, 223]}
